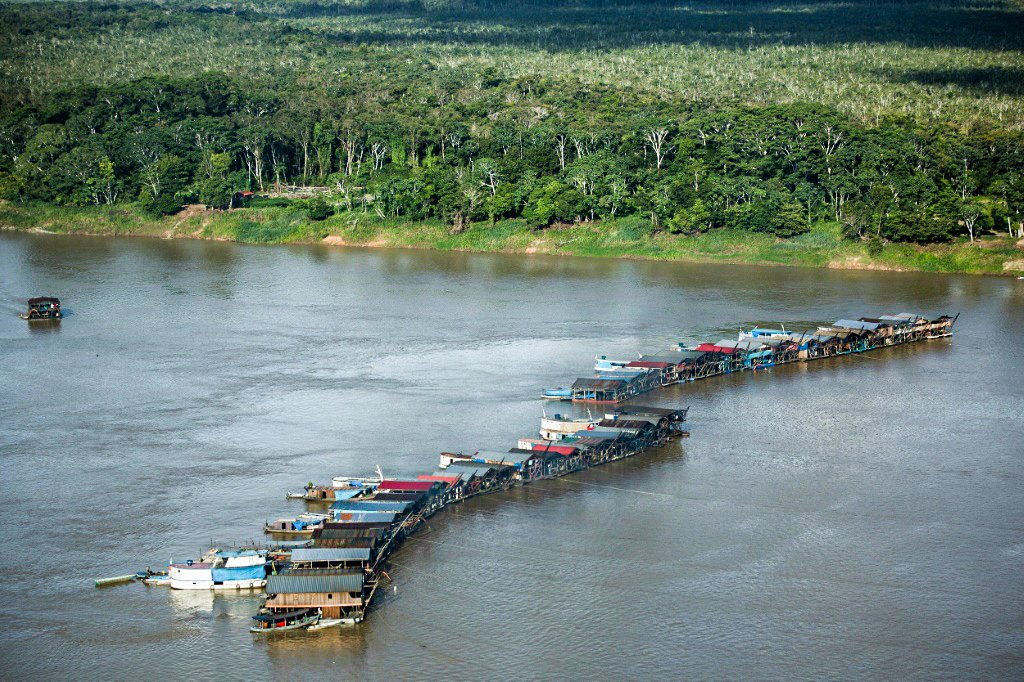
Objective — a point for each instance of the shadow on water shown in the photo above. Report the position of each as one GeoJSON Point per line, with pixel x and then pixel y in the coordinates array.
{"type": "Point", "coordinates": [44, 327]}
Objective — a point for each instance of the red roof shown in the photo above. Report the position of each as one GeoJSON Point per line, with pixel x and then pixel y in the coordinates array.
{"type": "Point", "coordinates": [450, 480]}
{"type": "Point", "coordinates": [712, 348]}
{"type": "Point", "coordinates": [564, 450]}
{"type": "Point", "coordinates": [650, 364]}
{"type": "Point", "coordinates": [406, 485]}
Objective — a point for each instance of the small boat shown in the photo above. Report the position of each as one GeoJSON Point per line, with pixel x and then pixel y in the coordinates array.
{"type": "Point", "coordinates": [281, 621]}
{"type": "Point", "coordinates": [295, 496]}
{"type": "Point", "coordinates": [221, 570]}
{"type": "Point", "coordinates": [603, 364]}
{"type": "Point", "coordinates": [559, 427]}
{"type": "Point", "coordinates": [940, 335]}
{"type": "Point", "coordinates": [42, 308]}
{"type": "Point", "coordinates": [302, 525]}
{"type": "Point", "coordinates": [357, 481]}
{"type": "Point", "coordinates": [560, 393]}
{"type": "Point", "coordinates": [149, 577]}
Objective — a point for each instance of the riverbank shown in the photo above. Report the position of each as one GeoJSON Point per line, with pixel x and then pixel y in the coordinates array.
{"type": "Point", "coordinates": [822, 247]}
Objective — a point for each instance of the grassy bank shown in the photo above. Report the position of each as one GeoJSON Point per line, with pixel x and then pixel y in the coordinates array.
{"type": "Point", "coordinates": [625, 238]}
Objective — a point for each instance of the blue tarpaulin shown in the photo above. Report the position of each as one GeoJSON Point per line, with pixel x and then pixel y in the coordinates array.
{"type": "Point", "coordinates": [241, 573]}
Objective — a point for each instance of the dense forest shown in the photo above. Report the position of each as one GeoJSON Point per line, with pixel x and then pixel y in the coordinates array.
{"type": "Point", "coordinates": [898, 121]}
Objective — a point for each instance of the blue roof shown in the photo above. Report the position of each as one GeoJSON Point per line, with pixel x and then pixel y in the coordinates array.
{"type": "Point", "coordinates": [856, 324]}
{"type": "Point", "coordinates": [371, 505]}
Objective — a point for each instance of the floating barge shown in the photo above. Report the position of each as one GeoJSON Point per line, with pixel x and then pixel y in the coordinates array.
{"type": "Point", "coordinates": [333, 577]}
{"type": "Point", "coordinates": [756, 350]}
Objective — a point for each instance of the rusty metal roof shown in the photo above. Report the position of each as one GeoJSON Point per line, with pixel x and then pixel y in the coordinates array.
{"type": "Point", "coordinates": [604, 384]}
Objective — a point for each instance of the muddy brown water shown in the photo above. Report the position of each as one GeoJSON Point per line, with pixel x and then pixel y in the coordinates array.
{"type": "Point", "coordinates": [858, 517]}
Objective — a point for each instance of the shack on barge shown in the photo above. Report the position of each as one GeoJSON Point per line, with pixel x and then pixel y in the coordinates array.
{"type": "Point", "coordinates": [336, 593]}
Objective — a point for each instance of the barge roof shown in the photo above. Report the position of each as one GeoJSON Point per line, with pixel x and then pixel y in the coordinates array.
{"type": "Point", "coordinates": [317, 581]}
{"type": "Point", "coordinates": [334, 554]}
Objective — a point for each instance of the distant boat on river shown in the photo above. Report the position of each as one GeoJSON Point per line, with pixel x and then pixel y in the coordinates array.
{"type": "Point", "coordinates": [42, 308]}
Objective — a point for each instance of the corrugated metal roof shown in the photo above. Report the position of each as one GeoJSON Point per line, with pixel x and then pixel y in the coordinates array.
{"type": "Point", "coordinates": [372, 505]}
{"type": "Point", "coordinates": [471, 469]}
{"type": "Point", "coordinates": [338, 554]}
{"type": "Point", "coordinates": [606, 384]}
{"type": "Point", "coordinates": [604, 433]}
{"type": "Point", "coordinates": [404, 497]}
{"type": "Point", "coordinates": [318, 582]}
{"type": "Point", "coordinates": [447, 480]}
{"type": "Point", "coordinates": [344, 542]}
{"type": "Point", "coordinates": [410, 486]}
{"type": "Point", "coordinates": [375, 526]}
{"type": "Point", "coordinates": [654, 420]}
{"type": "Point", "coordinates": [591, 441]}
{"type": "Point", "coordinates": [625, 423]}
{"type": "Point", "coordinates": [348, 533]}
{"type": "Point", "coordinates": [856, 324]}
{"type": "Point", "coordinates": [343, 515]}
{"type": "Point", "coordinates": [647, 410]}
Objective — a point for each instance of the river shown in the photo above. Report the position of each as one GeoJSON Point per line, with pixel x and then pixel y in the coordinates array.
{"type": "Point", "coordinates": [856, 517]}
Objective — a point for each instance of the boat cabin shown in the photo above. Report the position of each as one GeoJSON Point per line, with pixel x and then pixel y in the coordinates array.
{"type": "Point", "coordinates": [42, 308]}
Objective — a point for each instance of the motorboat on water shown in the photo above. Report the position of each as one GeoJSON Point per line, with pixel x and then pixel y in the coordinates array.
{"type": "Point", "coordinates": [282, 621]}
{"type": "Point", "coordinates": [557, 427]}
{"type": "Point", "coordinates": [42, 308]}
{"type": "Point", "coordinates": [221, 570]}
{"type": "Point", "coordinates": [560, 393]}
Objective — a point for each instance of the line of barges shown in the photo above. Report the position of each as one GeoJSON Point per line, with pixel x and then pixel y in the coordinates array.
{"type": "Point", "coordinates": [332, 575]}
{"type": "Point", "coordinates": [616, 381]}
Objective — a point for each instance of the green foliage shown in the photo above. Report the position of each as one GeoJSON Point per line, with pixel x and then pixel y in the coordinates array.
{"type": "Point", "coordinates": [897, 120]}
{"type": "Point", "coordinates": [318, 209]}
{"type": "Point", "coordinates": [553, 202]}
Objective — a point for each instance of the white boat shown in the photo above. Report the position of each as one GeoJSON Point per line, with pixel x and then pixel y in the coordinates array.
{"type": "Point", "coordinates": [221, 570]}
{"type": "Point", "coordinates": [558, 427]}
{"type": "Point", "coordinates": [603, 364]}
{"type": "Point", "coordinates": [358, 482]}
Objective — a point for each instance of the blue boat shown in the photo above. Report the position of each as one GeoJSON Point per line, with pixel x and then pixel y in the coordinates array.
{"type": "Point", "coordinates": [560, 393]}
